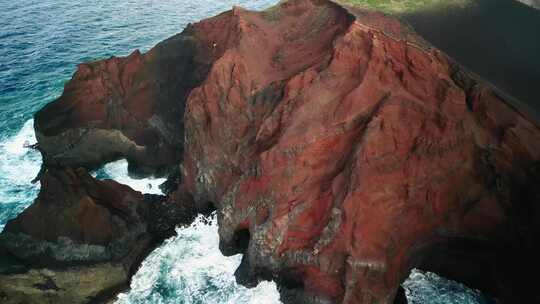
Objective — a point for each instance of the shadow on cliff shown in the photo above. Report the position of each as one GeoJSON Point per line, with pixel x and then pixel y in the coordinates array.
{"type": "Point", "coordinates": [497, 39]}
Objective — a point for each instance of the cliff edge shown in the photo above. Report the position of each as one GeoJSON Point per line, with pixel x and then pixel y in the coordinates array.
{"type": "Point", "coordinates": [339, 148]}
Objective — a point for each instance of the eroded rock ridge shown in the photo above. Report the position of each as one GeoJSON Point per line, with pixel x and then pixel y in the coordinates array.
{"type": "Point", "coordinates": [339, 148]}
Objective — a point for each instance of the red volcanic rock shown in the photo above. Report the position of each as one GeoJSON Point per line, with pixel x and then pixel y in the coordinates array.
{"type": "Point", "coordinates": [128, 107]}
{"type": "Point", "coordinates": [74, 205]}
{"type": "Point", "coordinates": [341, 150]}
{"type": "Point", "coordinates": [82, 239]}
{"type": "Point", "coordinates": [77, 219]}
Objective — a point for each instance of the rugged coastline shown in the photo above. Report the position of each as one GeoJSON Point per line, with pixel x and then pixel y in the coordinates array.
{"type": "Point", "coordinates": [339, 148]}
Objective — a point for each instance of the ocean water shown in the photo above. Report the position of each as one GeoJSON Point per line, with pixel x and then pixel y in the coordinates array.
{"type": "Point", "coordinates": [41, 42]}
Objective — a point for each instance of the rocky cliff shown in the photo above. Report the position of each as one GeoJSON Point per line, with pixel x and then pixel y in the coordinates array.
{"type": "Point", "coordinates": [339, 148]}
{"type": "Point", "coordinates": [82, 239]}
{"type": "Point", "coordinates": [128, 107]}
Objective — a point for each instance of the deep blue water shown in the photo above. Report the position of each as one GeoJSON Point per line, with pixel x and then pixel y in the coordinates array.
{"type": "Point", "coordinates": [41, 42]}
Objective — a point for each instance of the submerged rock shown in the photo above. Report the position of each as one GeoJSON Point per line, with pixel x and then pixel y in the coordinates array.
{"type": "Point", "coordinates": [340, 149]}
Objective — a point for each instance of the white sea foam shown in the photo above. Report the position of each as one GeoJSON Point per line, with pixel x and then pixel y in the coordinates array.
{"type": "Point", "coordinates": [189, 268]}
{"type": "Point", "coordinates": [18, 166]}
{"type": "Point", "coordinates": [429, 288]}
{"type": "Point", "coordinates": [118, 171]}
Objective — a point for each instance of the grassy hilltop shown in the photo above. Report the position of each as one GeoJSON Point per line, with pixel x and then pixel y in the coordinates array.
{"type": "Point", "coordinates": [406, 6]}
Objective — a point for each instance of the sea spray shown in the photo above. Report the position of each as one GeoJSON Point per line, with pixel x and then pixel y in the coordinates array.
{"type": "Point", "coordinates": [189, 268]}
{"type": "Point", "coordinates": [429, 288]}
{"type": "Point", "coordinates": [18, 166]}
{"type": "Point", "coordinates": [118, 171]}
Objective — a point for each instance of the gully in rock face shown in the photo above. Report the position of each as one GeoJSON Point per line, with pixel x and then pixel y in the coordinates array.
{"type": "Point", "coordinates": [339, 149]}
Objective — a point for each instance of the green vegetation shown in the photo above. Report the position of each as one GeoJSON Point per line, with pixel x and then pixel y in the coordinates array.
{"type": "Point", "coordinates": [272, 13]}
{"type": "Point", "coordinates": [405, 6]}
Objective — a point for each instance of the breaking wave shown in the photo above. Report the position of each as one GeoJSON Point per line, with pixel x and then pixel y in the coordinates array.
{"type": "Point", "coordinates": [18, 166]}
{"type": "Point", "coordinates": [429, 288]}
{"type": "Point", "coordinates": [190, 269]}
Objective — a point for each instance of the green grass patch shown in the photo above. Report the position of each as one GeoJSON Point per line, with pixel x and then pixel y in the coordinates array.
{"type": "Point", "coordinates": [406, 6]}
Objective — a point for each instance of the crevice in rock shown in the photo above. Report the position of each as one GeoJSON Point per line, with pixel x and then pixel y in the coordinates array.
{"type": "Point", "coordinates": [241, 240]}
{"type": "Point", "coordinates": [401, 297]}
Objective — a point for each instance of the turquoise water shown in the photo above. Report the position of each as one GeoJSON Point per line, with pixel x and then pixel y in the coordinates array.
{"type": "Point", "coordinates": [41, 42]}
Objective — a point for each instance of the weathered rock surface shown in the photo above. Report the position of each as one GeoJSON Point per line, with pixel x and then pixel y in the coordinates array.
{"type": "Point", "coordinates": [128, 107]}
{"type": "Point", "coordinates": [82, 238]}
{"type": "Point", "coordinates": [339, 148]}
{"type": "Point", "coordinates": [83, 284]}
